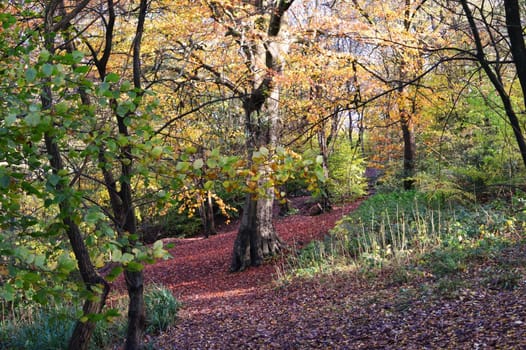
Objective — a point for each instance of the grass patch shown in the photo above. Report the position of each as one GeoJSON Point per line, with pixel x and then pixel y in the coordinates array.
{"type": "Point", "coordinates": [162, 309]}
{"type": "Point", "coordinates": [412, 236]}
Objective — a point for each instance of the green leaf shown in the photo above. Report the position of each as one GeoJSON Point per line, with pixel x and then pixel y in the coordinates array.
{"type": "Point", "coordinates": [263, 151]}
{"type": "Point", "coordinates": [127, 258]}
{"type": "Point", "coordinates": [31, 74]}
{"type": "Point", "coordinates": [211, 163]}
{"type": "Point", "coordinates": [122, 110]}
{"type": "Point", "coordinates": [61, 108]}
{"type": "Point", "coordinates": [47, 69]}
{"type": "Point", "coordinates": [215, 152]}
{"type": "Point", "coordinates": [30, 189]}
{"type": "Point", "coordinates": [112, 78]}
{"type": "Point", "coordinates": [54, 179]}
{"type": "Point", "coordinates": [182, 166]}
{"type": "Point", "coordinates": [134, 266]}
{"type": "Point", "coordinates": [114, 273]}
{"type": "Point", "coordinates": [156, 152]}
{"type": "Point", "coordinates": [198, 163]}
{"type": "Point", "coordinates": [280, 150]}
{"type": "Point", "coordinates": [44, 55]}
{"type": "Point", "coordinates": [31, 277]}
{"type": "Point", "coordinates": [81, 69]}
{"type": "Point", "coordinates": [93, 216]}
{"type": "Point", "coordinates": [116, 255]}
{"type": "Point", "coordinates": [122, 140]}
{"type": "Point", "coordinates": [158, 245]}
{"type": "Point", "coordinates": [125, 86]}
{"type": "Point", "coordinates": [5, 180]}
{"type": "Point", "coordinates": [66, 264]}
{"type": "Point", "coordinates": [7, 293]}
{"type": "Point", "coordinates": [10, 119]}
{"type": "Point", "coordinates": [209, 185]}
{"type": "Point", "coordinates": [320, 175]}
{"type": "Point", "coordinates": [32, 119]}
{"type": "Point", "coordinates": [40, 262]}
{"type": "Point", "coordinates": [77, 56]}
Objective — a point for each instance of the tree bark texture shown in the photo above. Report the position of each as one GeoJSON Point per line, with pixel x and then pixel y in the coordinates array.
{"type": "Point", "coordinates": [246, 252]}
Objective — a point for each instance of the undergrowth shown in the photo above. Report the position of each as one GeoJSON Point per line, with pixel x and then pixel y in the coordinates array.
{"type": "Point", "coordinates": [27, 327]}
{"type": "Point", "coordinates": [411, 234]}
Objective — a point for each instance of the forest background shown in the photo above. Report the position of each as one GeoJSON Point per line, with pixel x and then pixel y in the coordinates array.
{"type": "Point", "coordinates": [125, 122]}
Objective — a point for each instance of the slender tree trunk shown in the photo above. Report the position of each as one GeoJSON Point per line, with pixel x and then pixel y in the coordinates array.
{"type": "Point", "coordinates": [136, 310]}
{"type": "Point", "coordinates": [94, 304]}
{"type": "Point", "coordinates": [206, 212]}
{"type": "Point", "coordinates": [518, 50]}
{"type": "Point", "coordinates": [210, 213]}
{"type": "Point", "coordinates": [80, 338]}
{"type": "Point", "coordinates": [325, 201]}
{"type": "Point", "coordinates": [134, 279]}
{"type": "Point", "coordinates": [409, 152]}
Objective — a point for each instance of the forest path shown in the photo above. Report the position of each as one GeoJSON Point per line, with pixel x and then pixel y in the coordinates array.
{"type": "Point", "coordinates": [198, 275]}
{"type": "Point", "coordinates": [247, 310]}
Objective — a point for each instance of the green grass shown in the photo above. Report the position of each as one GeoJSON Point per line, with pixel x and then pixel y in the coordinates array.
{"type": "Point", "coordinates": [413, 236]}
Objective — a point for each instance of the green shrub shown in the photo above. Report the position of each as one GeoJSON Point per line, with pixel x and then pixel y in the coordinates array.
{"type": "Point", "coordinates": [346, 173]}
{"type": "Point", "coordinates": [47, 329]}
{"type": "Point", "coordinates": [50, 328]}
{"type": "Point", "coordinates": [162, 308]}
{"type": "Point", "coordinates": [443, 262]}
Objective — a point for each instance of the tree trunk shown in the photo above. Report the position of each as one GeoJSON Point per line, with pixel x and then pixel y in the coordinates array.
{"type": "Point", "coordinates": [94, 304]}
{"type": "Point", "coordinates": [210, 213]}
{"type": "Point", "coordinates": [409, 152]}
{"type": "Point", "coordinates": [134, 279]}
{"type": "Point", "coordinates": [257, 238]}
{"type": "Point", "coordinates": [80, 338]}
{"type": "Point", "coordinates": [268, 239]}
{"type": "Point", "coordinates": [136, 309]}
{"type": "Point", "coordinates": [246, 252]}
{"type": "Point", "coordinates": [206, 212]}
{"type": "Point", "coordinates": [325, 201]}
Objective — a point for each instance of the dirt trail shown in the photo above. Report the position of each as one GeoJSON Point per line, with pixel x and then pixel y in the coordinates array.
{"type": "Point", "coordinates": [198, 276]}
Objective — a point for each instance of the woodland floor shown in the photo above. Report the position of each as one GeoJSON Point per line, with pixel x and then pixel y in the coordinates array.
{"type": "Point", "coordinates": [248, 310]}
